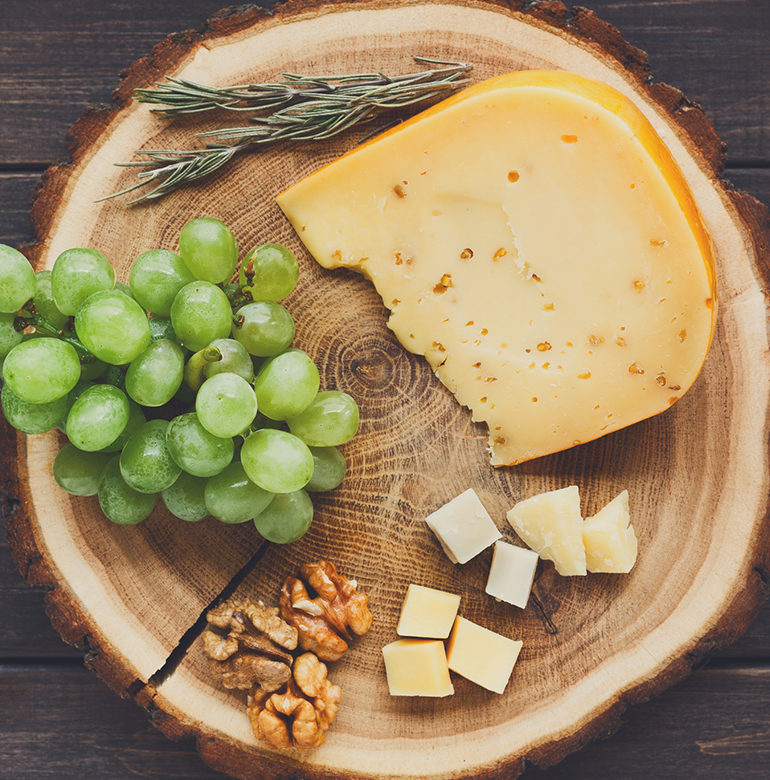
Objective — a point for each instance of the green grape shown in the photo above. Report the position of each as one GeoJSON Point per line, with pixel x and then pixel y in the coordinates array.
{"type": "Point", "coordinates": [136, 420]}
{"type": "Point", "coordinates": [331, 419]}
{"type": "Point", "coordinates": [233, 498]}
{"type": "Point", "coordinates": [200, 314]}
{"type": "Point", "coordinates": [329, 469]}
{"type": "Point", "coordinates": [31, 418]}
{"type": "Point", "coordinates": [97, 418]}
{"type": "Point", "coordinates": [235, 360]}
{"type": "Point", "coordinates": [119, 502]}
{"type": "Point", "coordinates": [154, 376]}
{"type": "Point", "coordinates": [156, 277]}
{"type": "Point", "coordinates": [9, 336]}
{"type": "Point", "coordinates": [286, 519]}
{"type": "Point", "coordinates": [145, 463]}
{"type": "Point", "coordinates": [184, 499]}
{"type": "Point", "coordinates": [44, 303]}
{"type": "Point", "coordinates": [222, 356]}
{"type": "Point", "coordinates": [208, 249]}
{"type": "Point", "coordinates": [113, 327]}
{"type": "Point", "coordinates": [41, 370]}
{"type": "Point", "coordinates": [277, 461]}
{"type": "Point", "coordinates": [17, 280]}
{"type": "Point", "coordinates": [226, 405]}
{"type": "Point", "coordinates": [161, 329]}
{"type": "Point", "coordinates": [78, 472]}
{"type": "Point", "coordinates": [275, 272]}
{"type": "Point", "coordinates": [194, 449]}
{"type": "Point", "coordinates": [78, 274]}
{"type": "Point", "coordinates": [286, 384]}
{"type": "Point", "coordinates": [265, 329]}
{"type": "Point", "coordinates": [72, 396]}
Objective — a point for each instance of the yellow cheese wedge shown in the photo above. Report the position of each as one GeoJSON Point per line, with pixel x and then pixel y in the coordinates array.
{"type": "Point", "coordinates": [534, 239]}
{"type": "Point", "coordinates": [551, 524]}
{"type": "Point", "coordinates": [609, 538]}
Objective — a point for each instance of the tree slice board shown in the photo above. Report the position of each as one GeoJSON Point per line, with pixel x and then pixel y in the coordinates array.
{"type": "Point", "coordinates": [697, 474]}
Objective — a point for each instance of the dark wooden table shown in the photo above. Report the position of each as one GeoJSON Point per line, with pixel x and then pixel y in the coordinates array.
{"type": "Point", "coordinates": [57, 720]}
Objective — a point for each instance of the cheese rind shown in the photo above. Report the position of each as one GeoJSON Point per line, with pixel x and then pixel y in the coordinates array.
{"type": "Point", "coordinates": [463, 527]}
{"type": "Point", "coordinates": [536, 242]}
{"type": "Point", "coordinates": [417, 667]}
{"type": "Point", "coordinates": [427, 613]}
{"type": "Point", "coordinates": [609, 538]}
{"type": "Point", "coordinates": [512, 573]}
{"type": "Point", "coordinates": [481, 655]}
{"type": "Point", "coordinates": [551, 525]}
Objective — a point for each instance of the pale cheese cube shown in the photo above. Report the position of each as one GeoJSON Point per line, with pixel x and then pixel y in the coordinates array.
{"type": "Point", "coordinates": [512, 573]}
{"type": "Point", "coordinates": [551, 524]}
{"type": "Point", "coordinates": [427, 613]}
{"type": "Point", "coordinates": [609, 538]}
{"type": "Point", "coordinates": [463, 527]}
{"type": "Point", "coordinates": [417, 667]}
{"type": "Point", "coordinates": [481, 655]}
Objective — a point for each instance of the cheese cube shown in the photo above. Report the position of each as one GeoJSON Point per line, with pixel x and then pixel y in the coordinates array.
{"type": "Point", "coordinates": [609, 538]}
{"type": "Point", "coordinates": [481, 655]}
{"type": "Point", "coordinates": [463, 527]}
{"type": "Point", "coordinates": [551, 524]}
{"type": "Point", "coordinates": [512, 573]}
{"type": "Point", "coordinates": [427, 612]}
{"type": "Point", "coordinates": [417, 667]}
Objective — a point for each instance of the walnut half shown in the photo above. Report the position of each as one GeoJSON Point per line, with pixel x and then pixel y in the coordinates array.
{"type": "Point", "coordinates": [249, 645]}
{"type": "Point", "coordinates": [298, 715]}
{"type": "Point", "coordinates": [326, 621]}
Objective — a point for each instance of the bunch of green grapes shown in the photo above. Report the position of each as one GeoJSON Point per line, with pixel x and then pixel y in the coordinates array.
{"type": "Point", "coordinates": [179, 384]}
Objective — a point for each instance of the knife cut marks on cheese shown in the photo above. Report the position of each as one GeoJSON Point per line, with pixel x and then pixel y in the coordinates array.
{"type": "Point", "coordinates": [536, 242]}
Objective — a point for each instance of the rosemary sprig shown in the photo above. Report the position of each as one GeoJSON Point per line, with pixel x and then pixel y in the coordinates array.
{"type": "Point", "coordinates": [301, 108]}
{"type": "Point", "coordinates": [179, 96]}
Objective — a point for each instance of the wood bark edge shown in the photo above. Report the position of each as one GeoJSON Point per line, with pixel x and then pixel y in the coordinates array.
{"type": "Point", "coordinates": [67, 615]}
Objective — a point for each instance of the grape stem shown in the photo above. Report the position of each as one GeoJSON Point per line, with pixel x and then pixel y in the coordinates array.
{"type": "Point", "coordinates": [193, 371]}
{"type": "Point", "coordinates": [238, 294]}
{"type": "Point", "coordinates": [29, 317]}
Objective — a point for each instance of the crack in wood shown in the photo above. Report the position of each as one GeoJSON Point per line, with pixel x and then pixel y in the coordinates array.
{"type": "Point", "coordinates": [177, 655]}
{"type": "Point", "coordinates": [550, 626]}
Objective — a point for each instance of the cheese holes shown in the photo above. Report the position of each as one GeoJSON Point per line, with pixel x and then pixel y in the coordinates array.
{"type": "Point", "coordinates": [513, 176]}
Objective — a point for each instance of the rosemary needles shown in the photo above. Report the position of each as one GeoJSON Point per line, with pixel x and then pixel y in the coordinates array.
{"type": "Point", "coordinates": [298, 108]}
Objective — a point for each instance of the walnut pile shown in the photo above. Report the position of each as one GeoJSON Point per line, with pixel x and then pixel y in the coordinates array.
{"type": "Point", "coordinates": [325, 621]}
{"type": "Point", "coordinates": [300, 713]}
{"type": "Point", "coordinates": [249, 645]}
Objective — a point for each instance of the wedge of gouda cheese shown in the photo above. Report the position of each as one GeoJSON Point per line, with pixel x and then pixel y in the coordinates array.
{"type": "Point", "coordinates": [534, 239]}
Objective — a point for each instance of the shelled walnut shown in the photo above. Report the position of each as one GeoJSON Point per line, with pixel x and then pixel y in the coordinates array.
{"type": "Point", "coordinates": [300, 713]}
{"type": "Point", "coordinates": [324, 622]}
{"type": "Point", "coordinates": [249, 645]}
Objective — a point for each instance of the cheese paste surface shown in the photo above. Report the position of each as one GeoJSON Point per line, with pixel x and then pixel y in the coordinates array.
{"type": "Point", "coordinates": [534, 240]}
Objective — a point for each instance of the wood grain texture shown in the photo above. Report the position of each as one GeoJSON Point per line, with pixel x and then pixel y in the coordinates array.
{"type": "Point", "coordinates": [373, 377]}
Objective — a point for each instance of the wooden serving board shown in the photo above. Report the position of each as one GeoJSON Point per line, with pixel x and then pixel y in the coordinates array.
{"type": "Point", "coordinates": [697, 474]}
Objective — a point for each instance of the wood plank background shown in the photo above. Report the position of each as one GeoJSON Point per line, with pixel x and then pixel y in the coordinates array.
{"type": "Point", "coordinates": [57, 720]}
